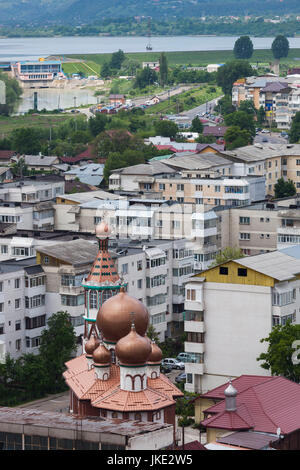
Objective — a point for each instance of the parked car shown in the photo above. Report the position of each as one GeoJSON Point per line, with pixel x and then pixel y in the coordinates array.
{"type": "Point", "coordinates": [165, 369]}
{"type": "Point", "coordinates": [184, 357]}
{"type": "Point", "coordinates": [181, 377]}
{"type": "Point", "coordinates": [265, 139]}
{"type": "Point", "coordinates": [173, 363]}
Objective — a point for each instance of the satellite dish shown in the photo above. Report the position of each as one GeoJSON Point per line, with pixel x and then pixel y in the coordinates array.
{"type": "Point", "coordinates": [278, 432]}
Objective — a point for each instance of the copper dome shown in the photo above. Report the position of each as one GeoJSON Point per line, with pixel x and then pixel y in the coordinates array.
{"type": "Point", "coordinates": [101, 355]}
{"type": "Point", "coordinates": [133, 349]}
{"type": "Point", "coordinates": [114, 317]}
{"type": "Point", "coordinates": [91, 345]}
{"type": "Point", "coordinates": [156, 354]}
{"type": "Point", "coordinates": [102, 230]}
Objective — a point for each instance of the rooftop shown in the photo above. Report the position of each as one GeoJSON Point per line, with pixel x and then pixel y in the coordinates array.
{"type": "Point", "coordinates": [75, 252]}
{"type": "Point", "coordinates": [264, 404]}
{"type": "Point", "coordinates": [42, 419]}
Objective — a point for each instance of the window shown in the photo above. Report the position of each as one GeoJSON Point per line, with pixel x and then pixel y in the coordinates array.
{"type": "Point", "coordinates": [72, 300]}
{"type": "Point", "coordinates": [2, 329]}
{"type": "Point", "coordinates": [217, 189]}
{"type": "Point", "coordinates": [223, 270]}
{"type": "Point", "coordinates": [18, 344]}
{"type": "Point", "coordinates": [140, 283]}
{"type": "Point", "coordinates": [244, 236]}
{"type": "Point", "coordinates": [244, 220]}
{"type": "Point", "coordinates": [1, 307]}
{"type": "Point", "coordinates": [35, 301]}
{"type": "Point", "coordinates": [4, 249]}
{"type": "Point", "coordinates": [180, 187]}
{"type": "Point", "coordinates": [125, 268]}
{"type": "Point", "coordinates": [189, 378]}
{"type": "Point", "coordinates": [1, 286]}
{"type": "Point", "coordinates": [17, 303]}
{"type": "Point", "coordinates": [191, 294]}
{"type": "Point", "coordinates": [139, 265]}
{"type": "Point", "coordinates": [35, 322]}
{"type": "Point", "coordinates": [18, 325]}
{"type": "Point", "coordinates": [242, 272]}
{"type": "Point", "coordinates": [162, 186]}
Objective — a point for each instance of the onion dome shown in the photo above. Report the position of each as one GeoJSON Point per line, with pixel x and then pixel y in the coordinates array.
{"type": "Point", "coordinates": [156, 354]}
{"type": "Point", "coordinates": [113, 318]}
{"type": "Point", "coordinates": [133, 349]}
{"type": "Point", "coordinates": [91, 345]}
{"type": "Point", "coordinates": [230, 391]}
{"type": "Point", "coordinates": [102, 230]}
{"type": "Point", "coordinates": [101, 355]}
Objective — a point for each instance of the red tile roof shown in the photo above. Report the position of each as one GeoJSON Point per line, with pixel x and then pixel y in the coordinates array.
{"type": "Point", "coordinates": [194, 445]}
{"type": "Point", "coordinates": [106, 394]}
{"type": "Point", "coordinates": [7, 154]}
{"type": "Point", "coordinates": [264, 403]}
{"type": "Point", "coordinates": [217, 131]}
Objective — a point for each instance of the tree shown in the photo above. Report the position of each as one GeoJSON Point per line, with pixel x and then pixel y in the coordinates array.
{"type": "Point", "coordinates": [145, 78]}
{"type": "Point", "coordinates": [236, 137]}
{"type": "Point", "coordinates": [97, 124]}
{"type": "Point", "coordinates": [117, 59]}
{"type": "Point", "coordinates": [225, 105]}
{"type": "Point", "coordinates": [280, 47]}
{"type": "Point", "coordinates": [284, 188]}
{"type": "Point", "coordinates": [294, 133]}
{"type": "Point", "coordinates": [20, 168]}
{"type": "Point", "coordinates": [197, 125]}
{"type": "Point", "coordinates": [106, 71]}
{"type": "Point", "coordinates": [152, 334]}
{"type": "Point", "coordinates": [241, 119]}
{"type": "Point", "coordinates": [117, 160]}
{"type": "Point", "coordinates": [230, 72]}
{"type": "Point", "coordinates": [243, 48]}
{"type": "Point", "coordinates": [13, 91]}
{"type": "Point", "coordinates": [229, 253]}
{"type": "Point", "coordinates": [26, 140]}
{"type": "Point", "coordinates": [281, 357]}
{"type": "Point", "coordinates": [248, 107]}
{"type": "Point", "coordinates": [261, 116]}
{"type": "Point", "coordinates": [163, 69]}
{"type": "Point", "coordinates": [166, 128]}
{"type": "Point", "coordinates": [58, 342]}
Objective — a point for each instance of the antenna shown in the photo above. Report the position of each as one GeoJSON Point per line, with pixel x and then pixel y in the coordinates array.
{"type": "Point", "coordinates": [149, 47]}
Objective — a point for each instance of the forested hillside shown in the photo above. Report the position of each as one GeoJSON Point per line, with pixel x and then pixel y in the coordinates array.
{"type": "Point", "coordinates": [88, 11]}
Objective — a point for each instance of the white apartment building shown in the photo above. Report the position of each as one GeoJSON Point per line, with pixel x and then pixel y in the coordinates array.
{"type": "Point", "coordinates": [230, 308]}
{"type": "Point", "coordinates": [32, 189]}
{"type": "Point", "coordinates": [23, 312]}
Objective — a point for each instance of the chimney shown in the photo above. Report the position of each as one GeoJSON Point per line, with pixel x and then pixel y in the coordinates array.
{"type": "Point", "coordinates": [230, 397]}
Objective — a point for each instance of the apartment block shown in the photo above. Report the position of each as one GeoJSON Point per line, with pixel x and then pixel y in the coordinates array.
{"type": "Point", "coordinates": [230, 308]}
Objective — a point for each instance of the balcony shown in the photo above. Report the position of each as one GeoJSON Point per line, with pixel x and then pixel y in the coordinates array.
{"type": "Point", "coordinates": [194, 347]}
{"type": "Point", "coordinates": [71, 290]}
{"type": "Point", "coordinates": [194, 368]}
{"type": "Point", "coordinates": [194, 326]}
{"type": "Point", "coordinates": [194, 305]}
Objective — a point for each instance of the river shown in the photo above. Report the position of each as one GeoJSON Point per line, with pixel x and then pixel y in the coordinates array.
{"type": "Point", "coordinates": [32, 48]}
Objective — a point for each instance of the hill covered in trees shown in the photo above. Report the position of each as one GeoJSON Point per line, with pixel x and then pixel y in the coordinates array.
{"type": "Point", "coordinates": [78, 12]}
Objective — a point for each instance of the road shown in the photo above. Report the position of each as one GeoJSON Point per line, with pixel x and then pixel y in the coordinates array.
{"type": "Point", "coordinates": [203, 108]}
{"type": "Point", "coordinates": [272, 138]}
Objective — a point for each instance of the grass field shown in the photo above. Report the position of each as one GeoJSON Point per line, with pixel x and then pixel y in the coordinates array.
{"type": "Point", "coordinates": [194, 57]}
{"type": "Point", "coordinates": [88, 68]}
{"type": "Point", "coordinates": [8, 124]}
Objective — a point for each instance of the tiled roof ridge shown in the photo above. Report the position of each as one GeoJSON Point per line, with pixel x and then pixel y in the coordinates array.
{"type": "Point", "coordinates": [233, 381]}
{"type": "Point", "coordinates": [261, 405]}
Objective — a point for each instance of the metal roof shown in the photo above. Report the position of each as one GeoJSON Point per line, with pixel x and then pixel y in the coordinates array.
{"type": "Point", "coordinates": [275, 264]}
{"type": "Point", "coordinates": [42, 419]}
{"type": "Point", "coordinates": [75, 252]}
{"type": "Point", "coordinates": [250, 440]}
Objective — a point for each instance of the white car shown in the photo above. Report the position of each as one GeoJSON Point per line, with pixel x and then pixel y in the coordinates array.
{"type": "Point", "coordinates": [173, 363]}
